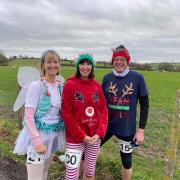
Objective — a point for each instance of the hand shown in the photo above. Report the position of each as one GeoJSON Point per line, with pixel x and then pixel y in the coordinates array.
{"type": "Point", "coordinates": [40, 149]}
{"type": "Point", "coordinates": [139, 136]}
{"type": "Point", "coordinates": [87, 140]}
{"type": "Point", "coordinates": [95, 138]}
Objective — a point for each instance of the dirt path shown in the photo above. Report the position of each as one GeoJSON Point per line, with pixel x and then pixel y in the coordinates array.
{"type": "Point", "coordinates": [12, 170]}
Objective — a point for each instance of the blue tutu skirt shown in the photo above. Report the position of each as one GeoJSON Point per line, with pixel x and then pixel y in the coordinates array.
{"type": "Point", "coordinates": [54, 141]}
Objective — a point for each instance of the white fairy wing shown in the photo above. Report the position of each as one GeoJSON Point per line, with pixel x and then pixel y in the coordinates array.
{"type": "Point", "coordinates": [26, 75]}
{"type": "Point", "coordinates": [60, 78]}
{"type": "Point", "coordinates": [20, 100]}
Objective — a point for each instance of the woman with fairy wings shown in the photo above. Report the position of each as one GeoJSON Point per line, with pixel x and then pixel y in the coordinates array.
{"type": "Point", "coordinates": [43, 132]}
{"type": "Point", "coordinates": [85, 115]}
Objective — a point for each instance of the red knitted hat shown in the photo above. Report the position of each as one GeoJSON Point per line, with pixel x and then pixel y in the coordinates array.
{"type": "Point", "coordinates": [121, 51]}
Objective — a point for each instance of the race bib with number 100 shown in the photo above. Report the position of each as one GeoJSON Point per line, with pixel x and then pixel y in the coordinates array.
{"type": "Point", "coordinates": [73, 157]}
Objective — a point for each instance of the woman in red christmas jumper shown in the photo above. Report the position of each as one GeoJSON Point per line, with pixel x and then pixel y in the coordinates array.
{"type": "Point", "coordinates": [85, 115]}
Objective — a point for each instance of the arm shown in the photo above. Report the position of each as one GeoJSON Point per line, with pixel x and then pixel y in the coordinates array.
{"type": "Point", "coordinates": [30, 123]}
{"type": "Point", "coordinates": [144, 108]}
{"type": "Point", "coordinates": [103, 115]}
{"type": "Point", "coordinates": [31, 102]}
{"type": "Point", "coordinates": [33, 132]}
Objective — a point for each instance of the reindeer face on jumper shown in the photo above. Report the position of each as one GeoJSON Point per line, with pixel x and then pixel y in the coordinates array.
{"type": "Point", "coordinates": [112, 89]}
{"type": "Point", "coordinates": [128, 89]}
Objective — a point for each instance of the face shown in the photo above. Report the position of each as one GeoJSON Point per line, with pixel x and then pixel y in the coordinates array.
{"type": "Point", "coordinates": [85, 69]}
{"type": "Point", "coordinates": [120, 64]}
{"type": "Point", "coordinates": [51, 65]}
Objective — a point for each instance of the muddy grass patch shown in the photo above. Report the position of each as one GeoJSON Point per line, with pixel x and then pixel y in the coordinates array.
{"type": "Point", "coordinates": [6, 112]}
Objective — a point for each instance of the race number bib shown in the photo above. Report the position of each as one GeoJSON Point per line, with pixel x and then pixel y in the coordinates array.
{"type": "Point", "coordinates": [33, 157]}
{"type": "Point", "coordinates": [73, 157]}
{"type": "Point", "coordinates": [125, 146]}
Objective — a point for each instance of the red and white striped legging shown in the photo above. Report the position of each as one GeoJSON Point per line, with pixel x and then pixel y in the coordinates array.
{"type": "Point", "coordinates": [91, 153]}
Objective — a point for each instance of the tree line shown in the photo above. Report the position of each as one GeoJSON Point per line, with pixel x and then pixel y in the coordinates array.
{"type": "Point", "coordinates": [170, 67]}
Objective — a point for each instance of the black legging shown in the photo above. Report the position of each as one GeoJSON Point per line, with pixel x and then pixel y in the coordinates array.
{"type": "Point", "coordinates": [126, 158]}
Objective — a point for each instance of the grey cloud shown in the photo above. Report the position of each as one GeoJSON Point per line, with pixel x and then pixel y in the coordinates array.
{"type": "Point", "coordinates": [149, 29]}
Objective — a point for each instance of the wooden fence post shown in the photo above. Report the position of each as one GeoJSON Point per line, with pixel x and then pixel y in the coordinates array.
{"type": "Point", "coordinates": [20, 111]}
{"type": "Point", "coordinates": [173, 143]}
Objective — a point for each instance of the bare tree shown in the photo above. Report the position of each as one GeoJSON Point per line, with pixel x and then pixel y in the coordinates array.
{"type": "Point", "coordinates": [3, 60]}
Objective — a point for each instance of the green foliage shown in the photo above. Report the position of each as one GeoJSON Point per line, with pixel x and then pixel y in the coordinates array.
{"type": "Point", "coordinates": [137, 66]}
{"type": "Point", "coordinates": [147, 169]}
{"type": "Point", "coordinates": [166, 67]}
{"type": "Point", "coordinates": [7, 139]}
{"type": "Point", "coordinates": [3, 60]}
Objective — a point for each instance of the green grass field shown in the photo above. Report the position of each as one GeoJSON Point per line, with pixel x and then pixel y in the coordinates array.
{"type": "Point", "coordinates": [149, 159]}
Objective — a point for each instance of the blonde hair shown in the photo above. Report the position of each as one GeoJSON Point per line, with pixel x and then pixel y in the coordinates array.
{"type": "Point", "coordinates": [43, 57]}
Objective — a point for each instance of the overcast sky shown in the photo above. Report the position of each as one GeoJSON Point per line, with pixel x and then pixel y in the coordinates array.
{"type": "Point", "coordinates": [149, 29]}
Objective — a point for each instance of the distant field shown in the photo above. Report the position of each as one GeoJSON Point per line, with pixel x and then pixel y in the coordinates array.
{"type": "Point", "coordinates": [162, 85]}
{"type": "Point", "coordinates": [149, 158]}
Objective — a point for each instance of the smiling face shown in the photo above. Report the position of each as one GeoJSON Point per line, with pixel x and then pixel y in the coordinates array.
{"type": "Point", "coordinates": [120, 64]}
{"type": "Point", "coordinates": [51, 65]}
{"type": "Point", "coordinates": [85, 69]}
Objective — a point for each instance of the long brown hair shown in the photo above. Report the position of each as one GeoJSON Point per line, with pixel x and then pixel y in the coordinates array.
{"type": "Point", "coordinates": [91, 75]}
